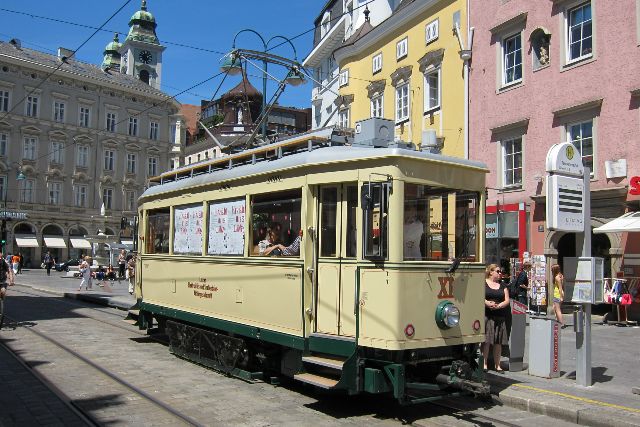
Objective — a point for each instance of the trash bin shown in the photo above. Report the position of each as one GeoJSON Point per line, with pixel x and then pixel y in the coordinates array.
{"type": "Point", "coordinates": [516, 337]}
{"type": "Point", "coordinates": [544, 347]}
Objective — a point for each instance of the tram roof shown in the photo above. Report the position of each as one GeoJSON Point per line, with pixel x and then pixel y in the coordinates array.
{"type": "Point", "coordinates": [224, 168]}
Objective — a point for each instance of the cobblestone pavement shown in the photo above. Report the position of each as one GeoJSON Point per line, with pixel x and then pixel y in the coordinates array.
{"type": "Point", "coordinates": [207, 396]}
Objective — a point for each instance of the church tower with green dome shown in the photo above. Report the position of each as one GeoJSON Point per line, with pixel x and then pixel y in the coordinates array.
{"type": "Point", "coordinates": [112, 57]}
{"type": "Point", "coordinates": [141, 51]}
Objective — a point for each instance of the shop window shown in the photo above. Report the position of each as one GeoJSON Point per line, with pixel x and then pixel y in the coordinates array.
{"type": "Point", "coordinates": [157, 238]}
{"type": "Point", "coordinates": [275, 223]}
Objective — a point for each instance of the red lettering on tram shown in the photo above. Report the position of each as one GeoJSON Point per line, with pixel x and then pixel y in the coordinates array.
{"type": "Point", "coordinates": [446, 287]}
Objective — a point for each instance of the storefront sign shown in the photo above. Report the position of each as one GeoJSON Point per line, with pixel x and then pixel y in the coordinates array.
{"type": "Point", "coordinates": [634, 183]}
{"type": "Point", "coordinates": [9, 215]}
{"type": "Point", "coordinates": [492, 231]}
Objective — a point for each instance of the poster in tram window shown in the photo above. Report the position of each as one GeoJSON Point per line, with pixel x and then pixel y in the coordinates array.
{"type": "Point", "coordinates": [226, 228]}
{"type": "Point", "coordinates": [187, 237]}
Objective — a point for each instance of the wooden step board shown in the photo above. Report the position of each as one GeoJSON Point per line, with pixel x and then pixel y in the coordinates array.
{"type": "Point", "coordinates": [317, 380]}
{"type": "Point", "coordinates": [334, 363]}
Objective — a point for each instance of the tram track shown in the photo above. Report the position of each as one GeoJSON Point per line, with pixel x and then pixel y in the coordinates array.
{"type": "Point", "coordinates": [484, 418]}
{"type": "Point", "coordinates": [75, 406]}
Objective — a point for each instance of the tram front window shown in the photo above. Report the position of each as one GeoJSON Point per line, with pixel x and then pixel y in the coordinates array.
{"type": "Point", "coordinates": [439, 224]}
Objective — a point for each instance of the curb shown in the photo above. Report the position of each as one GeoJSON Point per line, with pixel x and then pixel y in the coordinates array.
{"type": "Point", "coordinates": [575, 411]}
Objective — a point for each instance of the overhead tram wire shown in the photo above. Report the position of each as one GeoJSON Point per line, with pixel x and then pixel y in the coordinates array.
{"type": "Point", "coordinates": [63, 62]}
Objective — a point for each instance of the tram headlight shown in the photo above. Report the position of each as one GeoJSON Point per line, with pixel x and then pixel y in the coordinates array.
{"type": "Point", "coordinates": [447, 315]}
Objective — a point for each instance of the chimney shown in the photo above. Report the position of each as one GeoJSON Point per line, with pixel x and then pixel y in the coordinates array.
{"type": "Point", "coordinates": [16, 43]}
{"type": "Point", "coordinates": [64, 53]}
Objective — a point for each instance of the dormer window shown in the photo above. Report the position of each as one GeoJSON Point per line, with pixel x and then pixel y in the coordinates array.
{"type": "Point", "coordinates": [325, 26]}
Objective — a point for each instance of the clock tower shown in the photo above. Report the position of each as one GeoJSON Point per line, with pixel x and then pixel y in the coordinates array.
{"type": "Point", "coordinates": [141, 51]}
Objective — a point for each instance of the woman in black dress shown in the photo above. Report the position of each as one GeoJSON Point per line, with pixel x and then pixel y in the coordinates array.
{"type": "Point", "coordinates": [496, 310]}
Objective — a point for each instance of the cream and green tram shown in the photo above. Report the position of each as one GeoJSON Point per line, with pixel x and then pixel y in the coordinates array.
{"type": "Point", "coordinates": [349, 267]}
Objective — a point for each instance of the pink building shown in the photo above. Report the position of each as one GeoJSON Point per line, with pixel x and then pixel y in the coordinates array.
{"type": "Point", "coordinates": [551, 71]}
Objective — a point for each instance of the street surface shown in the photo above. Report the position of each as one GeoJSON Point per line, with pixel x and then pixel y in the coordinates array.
{"type": "Point", "coordinates": [119, 376]}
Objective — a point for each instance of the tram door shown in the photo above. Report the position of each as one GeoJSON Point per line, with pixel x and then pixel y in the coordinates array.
{"type": "Point", "coordinates": [335, 313]}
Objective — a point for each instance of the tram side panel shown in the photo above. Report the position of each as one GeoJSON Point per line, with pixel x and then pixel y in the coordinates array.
{"type": "Point", "coordinates": [261, 296]}
{"type": "Point", "coordinates": [391, 300]}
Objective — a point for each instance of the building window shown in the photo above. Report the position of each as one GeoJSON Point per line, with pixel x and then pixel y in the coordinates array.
{"type": "Point", "coordinates": [325, 26]}
{"type": "Point", "coordinates": [112, 120]}
{"type": "Point", "coordinates": [344, 78]}
{"type": "Point", "coordinates": [132, 160]}
{"type": "Point", "coordinates": [32, 106]}
{"type": "Point", "coordinates": [130, 200]}
{"type": "Point", "coordinates": [152, 166]}
{"type": "Point", "coordinates": [402, 48]}
{"type": "Point", "coordinates": [58, 111]}
{"type": "Point", "coordinates": [432, 31]}
{"type": "Point", "coordinates": [26, 195]}
{"type": "Point", "coordinates": [581, 135]}
{"type": "Point", "coordinates": [4, 142]}
{"type": "Point", "coordinates": [153, 130]}
{"type": "Point", "coordinates": [512, 162]}
{"type": "Point", "coordinates": [579, 37]}
{"type": "Point", "coordinates": [172, 133]}
{"type": "Point", "coordinates": [377, 63]}
{"type": "Point", "coordinates": [3, 187]}
{"type": "Point", "coordinates": [80, 195]}
{"type": "Point", "coordinates": [133, 126]}
{"type": "Point", "coordinates": [512, 60]}
{"type": "Point", "coordinates": [377, 106]}
{"type": "Point", "coordinates": [343, 118]}
{"type": "Point", "coordinates": [57, 148]}
{"type": "Point", "coordinates": [107, 197]}
{"type": "Point", "coordinates": [55, 193]}
{"type": "Point", "coordinates": [109, 160]}
{"type": "Point", "coordinates": [402, 102]}
{"type": "Point", "coordinates": [432, 90]}
{"type": "Point", "coordinates": [29, 147]}
{"type": "Point", "coordinates": [4, 100]}
{"type": "Point", "coordinates": [85, 117]}
{"type": "Point", "coordinates": [82, 158]}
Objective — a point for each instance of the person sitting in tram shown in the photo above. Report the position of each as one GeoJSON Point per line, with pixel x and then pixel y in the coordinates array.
{"type": "Point", "coordinates": [292, 250]}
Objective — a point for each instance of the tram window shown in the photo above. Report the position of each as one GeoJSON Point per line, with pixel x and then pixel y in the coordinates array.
{"type": "Point", "coordinates": [375, 208]}
{"type": "Point", "coordinates": [187, 230]}
{"type": "Point", "coordinates": [157, 238]}
{"type": "Point", "coordinates": [442, 222]}
{"type": "Point", "coordinates": [352, 231]}
{"type": "Point", "coordinates": [275, 220]}
{"type": "Point", "coordinates": [329, 219]}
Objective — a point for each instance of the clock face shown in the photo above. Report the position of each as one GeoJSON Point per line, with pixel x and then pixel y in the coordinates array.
{"type": "Point", "coordinates": [145, 56]}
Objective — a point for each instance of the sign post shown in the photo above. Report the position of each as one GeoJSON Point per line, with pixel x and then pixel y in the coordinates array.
{"type": "Point", "coordinates": [569, 209]}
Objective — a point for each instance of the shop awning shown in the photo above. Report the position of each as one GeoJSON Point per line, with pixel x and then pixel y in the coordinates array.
{"type": "Point", "coordinates": [629, 222]}
{"type": "Point", "coordinates": [54, 242]}
{"type": "Point", "coordinates": [126, 242]}
{"type": "Point", "coordinates": [80, 243]}
{"type": "Point", "coordinates": [27, 241]}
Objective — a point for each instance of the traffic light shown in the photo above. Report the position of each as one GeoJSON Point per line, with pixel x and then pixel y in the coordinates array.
{"type": "Point", "coordinates": [123, 223]}
{"type": "Point", "coordinates": [3, 238]}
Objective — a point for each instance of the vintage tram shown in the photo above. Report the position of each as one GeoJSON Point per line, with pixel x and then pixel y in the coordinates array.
{"type": "Point", "coordinates": [349, 265]}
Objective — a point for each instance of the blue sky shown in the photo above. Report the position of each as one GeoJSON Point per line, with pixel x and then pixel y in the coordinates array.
{"type": "Point", "coordinates": [209, 25]}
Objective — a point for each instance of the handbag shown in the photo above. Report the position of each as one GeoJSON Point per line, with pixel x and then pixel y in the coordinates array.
{"type": "Point", "coordinates": [42, 265]}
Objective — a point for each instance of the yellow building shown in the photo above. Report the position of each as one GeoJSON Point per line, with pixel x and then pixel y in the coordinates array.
{"type": "Point", "coordinates": [412, 69]}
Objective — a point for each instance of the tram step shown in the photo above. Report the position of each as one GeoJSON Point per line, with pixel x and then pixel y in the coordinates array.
{"type": "Point", "coordinates": [130, 321]}
{"type": "Point", "coordinates": [317, 380]}
{"type": "Point", "coordinates": [328, 362]}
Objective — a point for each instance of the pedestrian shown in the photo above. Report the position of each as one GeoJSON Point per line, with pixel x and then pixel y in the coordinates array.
{"type": "Point", "coordinates": [496, 303]}
{"type": "Point", "coordinates": [122, 264]}
{"type": "Point", "coordinates": [85, 273]}
{"type": "Point", "coordinates": [48, 262]}
{"type": "Point", "coordinates": [20, 262]}
{"type": "Point", "coordinates": [558, 292]}
{"type": "Point", "coordinates": [15, 263]}
{"type": "Point", "coordinates": [131, 273]}
{"type": "Point", "coordinates": [522, 283]}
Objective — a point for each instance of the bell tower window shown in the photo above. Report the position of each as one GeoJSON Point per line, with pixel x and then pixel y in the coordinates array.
{"type": "Point", "coordinates": [144, 76]}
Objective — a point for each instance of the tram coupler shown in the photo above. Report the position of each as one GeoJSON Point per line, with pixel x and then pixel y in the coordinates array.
{"type": "Point", "coordinates": [461, 377]}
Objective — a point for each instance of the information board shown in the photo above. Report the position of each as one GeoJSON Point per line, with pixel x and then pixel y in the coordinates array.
{"type": "Point", "coordinates": [226, 228]}
{"type": "Point", "coordinates": [187, 238]}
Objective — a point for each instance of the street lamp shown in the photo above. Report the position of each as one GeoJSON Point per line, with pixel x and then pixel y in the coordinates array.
{"type": "Point", "coordinates": [232, 64]}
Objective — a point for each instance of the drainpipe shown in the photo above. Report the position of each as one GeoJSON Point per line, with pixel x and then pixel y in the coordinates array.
{"type": "Point", "coordinates": [465, 55]}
